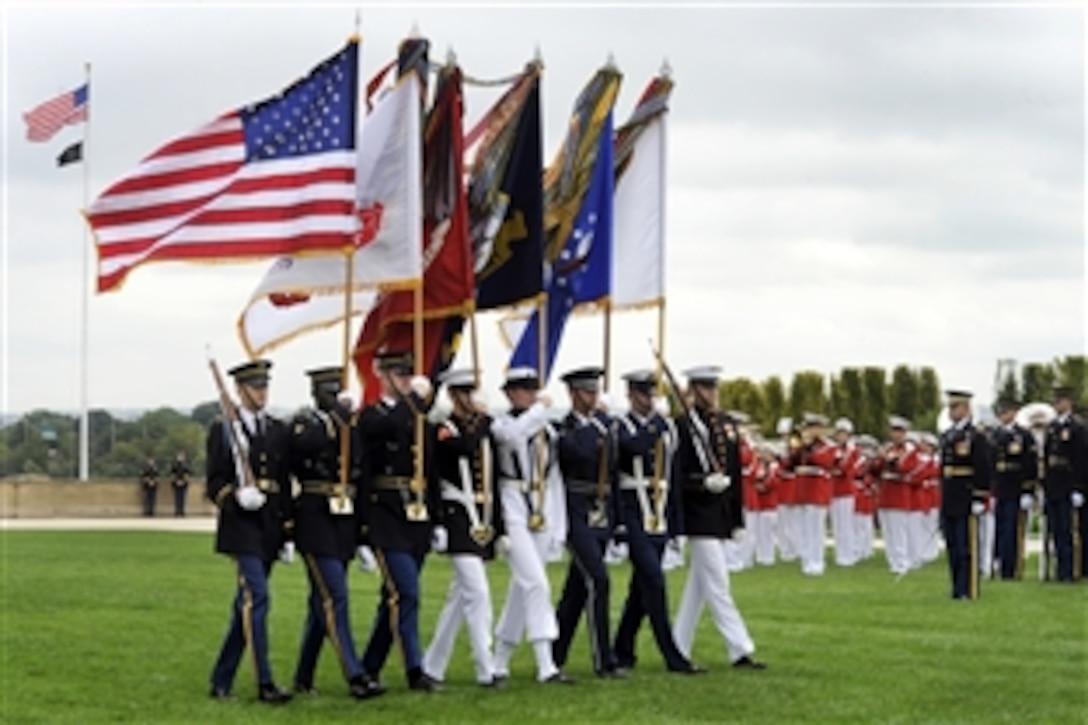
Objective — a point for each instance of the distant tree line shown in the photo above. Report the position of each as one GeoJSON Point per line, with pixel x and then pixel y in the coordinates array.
{"type": "Point", "coordinates": [47, 442]}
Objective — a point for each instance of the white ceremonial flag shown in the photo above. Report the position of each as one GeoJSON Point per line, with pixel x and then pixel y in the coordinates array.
{"type": "Point", "coordinates": [638, 242]}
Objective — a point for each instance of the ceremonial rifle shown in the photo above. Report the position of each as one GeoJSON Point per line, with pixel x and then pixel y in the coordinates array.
{"type": "Point", "coordinates": [232, 428]}
{"type": "Point", "coordinates": [700, 435]}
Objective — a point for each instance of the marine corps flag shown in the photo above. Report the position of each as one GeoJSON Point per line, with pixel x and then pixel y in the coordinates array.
{"type": "Point", "coordinates": [505, 199]}
{"type": "Point", "coordinates": [448, 279]}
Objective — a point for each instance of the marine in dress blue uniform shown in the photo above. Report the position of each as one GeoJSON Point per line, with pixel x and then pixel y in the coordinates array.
{"type": "Point", "coordinates": [400, 513]}
{"type": "Point", "coordinates": [471, 515]}
{"type": "Point", "coordinates": [149, 482]}
{"type": "Point", "coordinates": [965, 485]}
{"type": "Point", "coordinates": [1015, 472]}
{"type": "Point", "coordinates": [1066, 479]}
{"type": "Point", "coordinates": [327, 528]}
{"type": "Point", "coordinates": [253, 523]}
{"type": "Point", "coordinates": [649, 508]}
{"type": "Point", "coordinates": [587, 461]}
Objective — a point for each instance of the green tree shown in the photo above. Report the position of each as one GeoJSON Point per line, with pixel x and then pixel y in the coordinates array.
{"type": "Point", "coordinates": [204, 413]}
{"type": "Point", "coordinates": [929, 393]}
{"type": "Point", "coordinates": [807, 393]}
{"type": "Point", "coordinates": [1038, 378]}
{"type": "Point", "coordinates": [774, 398]}
{"type": "Point", "coordinates": [853, 396]}
{"type": "Point", "coordinates": [1072, 370]}
{"type": "Point", "coordinates": [875, 391]}
{"type": "Point", "coordinates": [903, 393]}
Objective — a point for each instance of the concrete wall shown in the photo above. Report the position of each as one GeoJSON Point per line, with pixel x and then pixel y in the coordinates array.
{"type": "Point", "coordinates": [26, 499]}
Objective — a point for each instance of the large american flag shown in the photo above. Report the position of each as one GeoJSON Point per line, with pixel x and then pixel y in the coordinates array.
{"type": "Point", "coordinates": [273, 178]}
{"type": "Point", "coordinates": [44, 121]}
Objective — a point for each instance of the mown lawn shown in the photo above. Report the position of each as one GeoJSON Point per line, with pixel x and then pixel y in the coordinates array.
{"type": "Point", "coordinates": [113, 627]}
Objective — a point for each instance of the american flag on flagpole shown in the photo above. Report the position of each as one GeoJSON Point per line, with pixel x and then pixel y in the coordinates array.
{"type": "Point", "coordinates": [273, 178]}
{"type": "Point", "coordinates": [43, 122]}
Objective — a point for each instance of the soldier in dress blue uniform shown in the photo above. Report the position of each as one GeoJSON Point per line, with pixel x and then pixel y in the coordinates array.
{"type": "Point", "coordinates": [179, 472]}
{"type": "Point", "coordinates": [327, 528]}
{"type": "Point", "coordinates": [1015, 472]}
{"type": "Point", "coordinates": [587, 461]}
{"type": "Point", "coordinates": [401, 511]}
{"type": "Point", "coordinates": [650, 508]}
{"type": "Point", "coordinates": [707, 466]}
{"type": "Point", "coordinates": [1066, 479]}
{"type": "Point", "coordinates": [965, 485]}
{"type": "Point", "coordinates": [254, 523]}
{"type": "Point", "coordinates": [464, 466]}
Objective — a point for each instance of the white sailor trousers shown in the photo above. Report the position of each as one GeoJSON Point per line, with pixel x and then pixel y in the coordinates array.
{"type": "Point", "coordinates": [528, 609]}
{"type": "Point", "coordinates": [468, 600]}
{"type": "Point", "coordinates": [708, 584]}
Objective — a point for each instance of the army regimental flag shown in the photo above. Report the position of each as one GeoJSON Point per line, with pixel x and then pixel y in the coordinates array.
{"type": "Point", "coordinates": [505, 199]}
{"type": "Point", "coordinates": [581, 271]}
{"type": "Point", "coordinates": [448, 279]}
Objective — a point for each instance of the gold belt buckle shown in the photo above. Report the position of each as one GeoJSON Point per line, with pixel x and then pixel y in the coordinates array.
{"type": "Point", "coordinates": [536, 522]}
{"type": "Point", "coordinates": [341, 506]}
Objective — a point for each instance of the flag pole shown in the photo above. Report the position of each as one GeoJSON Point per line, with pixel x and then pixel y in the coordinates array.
{"type": "Point", "coordinates": [419, 483]}
{"type": "Point", "coordinates": [345, 357]}
{"type": "Point", "coordinates": [661, 346]}
{"type": "Point", "coordinates": [84, 416]}
{"type": "Point", "coordinates": [607, 342]}
{"type": "Point", "coordinates": [475, 342]}
{"type": "Point", "coordinates": [542, 338]}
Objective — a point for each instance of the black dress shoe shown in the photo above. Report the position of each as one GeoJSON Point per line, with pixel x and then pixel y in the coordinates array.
{"type": "Point", "coordinates": [559, 678]}
{"type": "Point", "coordinates": [302, 689]}
{"type": "Point", "coordinates": [270, 693]}
{"type": "Point", "coordinates": [495, 683]}
{"type": "Point", "coordinates": [364, 687]}
{"type": "Point", "coordinates": [689, 668]}
{"type": "Point", "coordinates": [422, 682]}
{"type": "Point", "coordinates": [220, 693]}
{"type": "Point", "coordinates": [613, 673]}
{"type": "Point", "coordinates": [748, 663]}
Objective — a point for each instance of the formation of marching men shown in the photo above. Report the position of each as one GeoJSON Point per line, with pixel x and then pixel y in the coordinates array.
{"type": "Point", "coordinates": [388, 486]}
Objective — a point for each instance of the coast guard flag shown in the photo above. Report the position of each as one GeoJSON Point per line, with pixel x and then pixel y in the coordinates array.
{"type": "Point", "coordinates": [581, 273]}
{"type": "Point", "coordinates": [275, 177]}
{"type": "Point", "coordinates": [44, 121]}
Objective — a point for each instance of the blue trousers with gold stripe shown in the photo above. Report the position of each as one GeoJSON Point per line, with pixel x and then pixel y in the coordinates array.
{"type": "Point", "coordinates": [247, 624]}
{"type": "Point", "coordinates": [327, 617]}
{"type": "Point", "coordinates": [398, 612]}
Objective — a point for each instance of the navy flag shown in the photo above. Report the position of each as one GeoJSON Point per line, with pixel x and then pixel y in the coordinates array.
{"type": "Point", "coordinates": [506, 202]}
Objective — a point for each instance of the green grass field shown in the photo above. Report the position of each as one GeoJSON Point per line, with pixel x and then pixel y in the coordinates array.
{"type": "Point", "coordinates": [123, 627]}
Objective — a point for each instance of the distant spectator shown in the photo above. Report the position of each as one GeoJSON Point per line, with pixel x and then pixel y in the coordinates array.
{"type": "Point", "coordinates": [149, 480]}
{"type": "Point", "coordinates": [180, 471]}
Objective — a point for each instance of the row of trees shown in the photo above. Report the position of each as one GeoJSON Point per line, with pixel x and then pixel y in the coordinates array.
{"type": "Point", "coordinates": [47, 442]}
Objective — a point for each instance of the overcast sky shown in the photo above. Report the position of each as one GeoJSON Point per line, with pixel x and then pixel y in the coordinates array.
{"type": "Point", "coordinates": [847, 186]}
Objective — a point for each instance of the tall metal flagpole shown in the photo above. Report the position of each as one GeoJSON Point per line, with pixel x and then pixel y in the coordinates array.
{"type": "Point", "coordinates": [666, 73]}
{"type": "Point", "coordinates": [84, 417]}
{"type": "Point", "coordinates": [607, 343]}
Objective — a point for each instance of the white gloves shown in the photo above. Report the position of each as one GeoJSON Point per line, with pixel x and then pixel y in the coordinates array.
{"type": "Point", "coordinates": [287, 553]}
{"type": "Point", "coordinates": [367, 562]}
{"type": "Point", "coordinates": [502, 545]}
{"type": "Point", "coordinates": [716, 482]}
{"type": "Point", "coordinates": [1026, 501]}
{"type": "Point", "coordinates": [978, 508]}
{"type": "Point", "coordinates": [440, 539]}
{"type": "Point", "coordinates": [1077, 498]}
{"type": "Point", "coordinates": [661, 406]}
{"type": "Point", "coordinates": [604, 402]}
{"type": "Point", "coordinates": [673, 558]}
{"type": "Point", "coordinates": [249, 498]}
{"type": "Point", "coordinates": [738, 535]}
{"type": "Point", "coordinates": [421, 386]}
{"type": "Point", "coordinates": [544, 399]}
